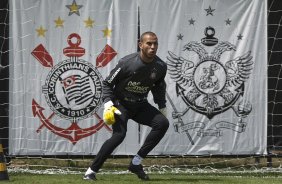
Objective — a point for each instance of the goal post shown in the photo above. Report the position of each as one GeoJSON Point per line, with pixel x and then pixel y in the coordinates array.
{"type": "Point", "coordinates": [4, 74]}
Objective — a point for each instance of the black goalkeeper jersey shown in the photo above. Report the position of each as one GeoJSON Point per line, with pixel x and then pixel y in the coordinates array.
{"type": "Point", "coordinates": [132, 79]}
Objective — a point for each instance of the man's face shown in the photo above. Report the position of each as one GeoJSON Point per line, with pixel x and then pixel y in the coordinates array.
{"type": "Point", "coordinates": [149, 46]}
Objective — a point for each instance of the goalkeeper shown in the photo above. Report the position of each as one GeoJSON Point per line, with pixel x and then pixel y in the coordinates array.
{"type": "Point", "coordinates": [125, 93]}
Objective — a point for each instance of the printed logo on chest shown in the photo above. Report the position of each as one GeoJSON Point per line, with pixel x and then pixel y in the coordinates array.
{"type": "Point", "coordinates": [136, 87]}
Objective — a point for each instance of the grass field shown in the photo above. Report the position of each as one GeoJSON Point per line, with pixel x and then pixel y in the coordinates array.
{"type": "Point", "coordinates": [24, 178]}
{"type": "Point", "coordinates": [246, 170]}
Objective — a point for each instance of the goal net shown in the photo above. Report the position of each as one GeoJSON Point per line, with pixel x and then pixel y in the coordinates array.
{"type": "Point", "coordinates": [223, 72]}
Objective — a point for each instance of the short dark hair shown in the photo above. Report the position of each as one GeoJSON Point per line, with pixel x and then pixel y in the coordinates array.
{"type": "Point", "coordinates": [147, 33]}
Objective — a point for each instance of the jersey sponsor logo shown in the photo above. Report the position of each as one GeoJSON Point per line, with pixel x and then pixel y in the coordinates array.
{"type": "Point", "coordinates": [136, 87]}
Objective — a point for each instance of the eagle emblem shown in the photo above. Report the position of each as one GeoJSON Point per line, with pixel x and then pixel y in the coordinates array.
{"type": "Point", "coordinates": [211, 84]}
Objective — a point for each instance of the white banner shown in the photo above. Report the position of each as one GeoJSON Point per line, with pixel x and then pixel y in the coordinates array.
{"type": "Point", "coordinates": [60, 53]}
{"type": "Point", "coordinates": [216, 51]}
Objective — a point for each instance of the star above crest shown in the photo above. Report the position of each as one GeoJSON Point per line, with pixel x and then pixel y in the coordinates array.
{"type": "Point", "coordinates": [74, 8]}
{"type": "Point", "coordinates": [209, 11]}
{"type": "Point", "coordinates": [107, 32]}
{"type": "Point", "coordinates": [228, 21]}
{"type": "Point", "coordinates": [179, 36]}
{"type": "Point", "coordinates": [41, 31]}
{"type": "Point", "coordinates": [240, 36]}
{"type": "Point", "coordinates": [59, 22]}
{"type": "Point", "coordinates": [191, 21]}
{"type": "Point", "coordinates": [89, 22]}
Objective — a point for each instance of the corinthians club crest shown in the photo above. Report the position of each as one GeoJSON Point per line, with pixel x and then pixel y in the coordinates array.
{"type": "Point", "coordinates": [72, 90]}
{"type": "Point", "coordinates": [211, 85]}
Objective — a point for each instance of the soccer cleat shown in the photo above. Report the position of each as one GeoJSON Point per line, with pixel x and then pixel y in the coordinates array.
{"type": "Point", "coordinates": [91, 176]}
{"type": "Point", "coordinates": [138, 170]}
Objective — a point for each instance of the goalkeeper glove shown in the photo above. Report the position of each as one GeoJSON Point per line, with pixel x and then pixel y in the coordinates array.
{"type": "Point", "coordinates": [163, 111]}
{"type": "Point", "coordinates": [109, 113]}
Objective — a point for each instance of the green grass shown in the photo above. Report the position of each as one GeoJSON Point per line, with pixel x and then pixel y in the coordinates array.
{"type": "Point", "coordinates": [198, 171]}
{"type": "Point", "coordinates": [25, 178]}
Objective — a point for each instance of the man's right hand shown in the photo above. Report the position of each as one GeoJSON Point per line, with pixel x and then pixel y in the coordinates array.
{"type": "Point", "coordinates": [109, 113]}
